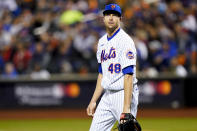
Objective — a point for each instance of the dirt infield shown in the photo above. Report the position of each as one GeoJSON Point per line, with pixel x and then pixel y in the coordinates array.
{"type": "Point", "coordinates": [81, 113]}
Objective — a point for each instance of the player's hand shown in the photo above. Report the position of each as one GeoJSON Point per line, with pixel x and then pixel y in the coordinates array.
{"type": "Point", "coordinates": [91, 108]}
{"type": "Point", "coordinates": [125, 111]}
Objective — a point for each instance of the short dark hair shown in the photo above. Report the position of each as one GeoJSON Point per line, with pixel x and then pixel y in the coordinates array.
{"type": "Point", "coordinates": [112, 12]}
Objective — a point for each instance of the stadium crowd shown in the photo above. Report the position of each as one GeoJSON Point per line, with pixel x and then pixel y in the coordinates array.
{"type": "Point", "coordinates": [42, 37]}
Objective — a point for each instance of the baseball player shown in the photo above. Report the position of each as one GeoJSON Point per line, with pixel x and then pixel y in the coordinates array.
{"type": "Point", "coordinates": [116, 55]}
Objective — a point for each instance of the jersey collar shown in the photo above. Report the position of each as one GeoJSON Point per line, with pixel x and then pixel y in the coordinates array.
{"type": "Point", "coordinates": [109, 38]}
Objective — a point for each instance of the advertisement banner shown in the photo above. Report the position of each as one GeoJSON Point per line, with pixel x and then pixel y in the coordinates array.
{"type": "Point", "coordinates": [161, 93]}
{"type": "Point", "coordinates": [47, 94]}
{"type": "Point", "coordinates": [153, 93]}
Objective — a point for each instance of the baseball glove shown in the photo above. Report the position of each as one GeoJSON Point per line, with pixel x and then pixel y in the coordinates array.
{"type": "Point", "coordinates": [130, 123]}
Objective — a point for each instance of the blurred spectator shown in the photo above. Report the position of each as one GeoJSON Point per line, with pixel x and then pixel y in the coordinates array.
{"type": "Point", "coordinates": [62, 35]}
{"type": "Point", "coordinates": [39, 56]}
{"type": "Point", "coordinates": [39, 73]}
{"type": "Point", "coordinates": [61, 59]}
{"type": "Point", "coordinates": [21, 58]}
{"type": "Point", "coordinates": [8, 4]}
{"type": "Point", "coordinates": [177, 69]}
{"type": "Point", "coordinates": [9, 71]}
{"type": "Point", "coordinates": [83, 42]}
{"type": "Point", "coordinates": [142, 52]}
{"type": "Point", "coordinates": [1, 64]}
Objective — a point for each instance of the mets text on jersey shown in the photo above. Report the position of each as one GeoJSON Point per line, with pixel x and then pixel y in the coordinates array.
{"type": "Point", "coordinates": [111, 54]}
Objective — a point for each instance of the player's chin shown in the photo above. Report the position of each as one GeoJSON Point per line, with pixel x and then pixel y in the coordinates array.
{"type": "Point", "coordinates": [111, 26]}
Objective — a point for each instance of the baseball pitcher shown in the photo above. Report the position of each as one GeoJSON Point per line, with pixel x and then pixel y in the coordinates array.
{"type": "Point", "coordinates": [116, 55]}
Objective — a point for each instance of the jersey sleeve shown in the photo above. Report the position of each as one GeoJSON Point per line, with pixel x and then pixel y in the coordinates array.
{"type": "Point", "coordinates": [129, 55]}
{"type": "Point", "coordinates": [98, 54]}
{"type": "Point", "coordinates": [100, 69]}
{"type": "Point", "coordinates": [128, 70]}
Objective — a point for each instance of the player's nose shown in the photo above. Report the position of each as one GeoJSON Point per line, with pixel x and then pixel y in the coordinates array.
{"type": "Point", "coordinates": [111, 17]}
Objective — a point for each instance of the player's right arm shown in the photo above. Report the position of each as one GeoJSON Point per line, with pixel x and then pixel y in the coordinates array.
{"type": "Point", "coordinates": [97, 93]}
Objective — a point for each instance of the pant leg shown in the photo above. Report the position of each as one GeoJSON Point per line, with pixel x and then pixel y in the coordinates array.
{"type": "Point", "coordinates": [118, 102]}
{"type": "Point", "coordinates": [134, 103]}
{"type": "Point", "coordinates": [103, 119]}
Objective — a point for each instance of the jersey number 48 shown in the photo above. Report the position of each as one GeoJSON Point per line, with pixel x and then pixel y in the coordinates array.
{"type": "Point", "coordinates": [114, 68]}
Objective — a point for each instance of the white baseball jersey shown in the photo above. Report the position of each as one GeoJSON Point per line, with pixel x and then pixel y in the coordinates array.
{"type": "Point", "coordinates": [114, 54]}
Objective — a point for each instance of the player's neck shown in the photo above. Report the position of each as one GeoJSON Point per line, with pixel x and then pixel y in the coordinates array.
{"type": "Point", "coordinates": [111, 31]}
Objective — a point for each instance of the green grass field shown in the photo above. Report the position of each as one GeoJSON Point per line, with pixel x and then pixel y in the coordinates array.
{"type": "Point", "coordinates": [148, 124]}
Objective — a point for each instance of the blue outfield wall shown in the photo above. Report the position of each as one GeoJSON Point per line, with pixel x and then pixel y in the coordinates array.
{"type": "Point", "coordinates": [157, 92]}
